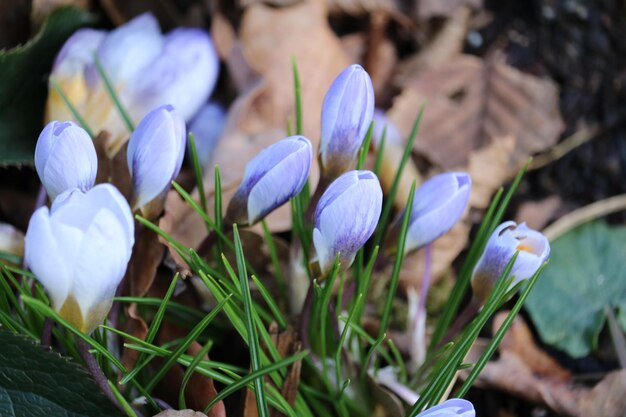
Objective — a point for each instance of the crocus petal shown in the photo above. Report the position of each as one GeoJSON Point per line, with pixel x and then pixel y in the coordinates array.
{"type": "Point", "coordinates": [65, 158]}
{"type": "Point", "coordinates": [290, 174]}
{"type": "Point", "coordinates": [155, 153]}
{"type": "Point", "coordinates": [128, 50]}
{"type": "Point", "coordinates": [183, 75]}
{"type": "Point", "coordinates": [508, 238]}
{"type": "Point", "coordinates": [43, 257]}
{"type": "Point", "coordinates": [438, 205]}
{"type": "Point", "coordinates": [347, 112]}
{"type": "Point", "coordinates": [207, 127]}
{"type": "Point", "coordinates": [100, 266]}
{"type": "Point", "coordinates": [451, 408]}
{"type": "Point", "coordinates": [77, 53]}
{"type": "Point", "coordinates": [382, 124]}
{"type": "Point", "coordinates": [276, 174]}
{"type": "Point", "coordinates": [345, 217]}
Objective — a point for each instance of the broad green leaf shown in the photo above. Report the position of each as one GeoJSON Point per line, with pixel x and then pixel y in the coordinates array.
{"type": "Point", "coordinates": [37, 382]}
{"type": "Point", "coordinates": [23, 71]}
{"type": "Point", "coordinates": [587, 272]}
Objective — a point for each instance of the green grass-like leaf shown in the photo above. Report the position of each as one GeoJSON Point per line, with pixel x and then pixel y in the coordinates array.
{"type": "Point", "coordinates": [497, 338]}
{"type": "Point", "coordinates": [253, 341]}
{"type": "Point", "coordinates": [253, 376]}
{"type": "Point", "coordinates": [297, 89]}
{"type": "Point", "coordinates": [81, 121]}
{"type": "Point", "coordinates": [397, 265]}
{"type": "Point", "coordinates": [388, 205]}
{"type": "Point", "coordinates": [108, 85]}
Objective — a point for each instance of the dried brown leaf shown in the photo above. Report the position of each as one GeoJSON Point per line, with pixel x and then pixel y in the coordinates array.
{"type": "Point", "coordinates": [445, 250]}
{"type": "Point", "coordinates": [470, 102]}
{"type": "Point", "coordinates": [524, 370]}
{"type": "Point", "coordinates": [447, 43]}
{"type": "Point", "coordinates": [147, 255]}
{"type": "Point", "coordinates": [361, 7]}
{"type": "Point", "coordinates": [490, 167]}
{"type": "Point", "coordinates": [519, 340]}
{"type": "Point", "coordinates": [134, 325]}
{"type": "Point", "coordinates": [427, 9]}
{"type": "Point", "coordinates": [537, 214]}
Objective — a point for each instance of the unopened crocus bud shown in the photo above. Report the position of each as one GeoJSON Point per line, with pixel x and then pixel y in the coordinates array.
{"type": "Point", "coordinates": [347, 112]}
{"type": "Point", "coordinates": [275, 175]}
{"type": "Point", "coordinates": [450, 408]}
{"type": "Point", "coordinates": [508, 238]}
{"type": "Point", "coordinates": [207, 127]}
{"type": "Point", "coordinates": [79, 249]}
{"type": "Point", "coordinates": [437, 205]}
{"type": "Point", "coordinates": [345, 218]}
{"type": "Point", "coordinates": [155, 154]}
{"type": "Point", "coordinates": [65, 158]}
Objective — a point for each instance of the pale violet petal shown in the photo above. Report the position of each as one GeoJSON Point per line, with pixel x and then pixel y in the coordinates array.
{"type": "Point", "coordinates": [101, 262]}
{"type": "Point", "coordinates": [451, 408]}
{"type": "Point", "coordinates": [71, 160]}
{"type": "Point", "coordinates": [128, 51]}
{"type": "Point", "coordinates": [207, 127]}
{"type": "Point", "coordinates": [106, 196]}
{"type": "Point", "coordinates": [347, 220]}
{"type": "Point", "coordinates": [322, 250]}
{"type": "Point", "coordinates": [43, 257]}
{"type": "Point", "coordinates": [155, 153]}
{"type": "Point", "coordinates": [77, 52]}
{"type": "Point", "coordinates": [184, 75]}
{"type": "Point", "coordinates": [283, 181]}
{"type": "Point", "coordinates": [347, 112]}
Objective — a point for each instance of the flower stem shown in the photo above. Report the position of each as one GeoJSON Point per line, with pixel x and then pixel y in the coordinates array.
{"type": "Point", "coordinates": [46, 332]}
{"type": "Point", "coordinates": [95, 371]}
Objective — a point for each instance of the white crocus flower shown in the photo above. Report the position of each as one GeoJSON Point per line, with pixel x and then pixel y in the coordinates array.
{"type": "Point", "coordinates": [79, 250]}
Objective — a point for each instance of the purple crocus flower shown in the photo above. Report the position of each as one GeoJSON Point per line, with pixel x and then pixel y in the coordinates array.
{"type": "Point", "coordinates": [155, 154]}
{"type": "Point", "coordinates": [451, 408]}
{"type": "Point", "coordinates": [79, 250]}
{"type": "Point", "coordinates": [347, 112]}
{"type": "Point", "coordinates": [345, 218]}
{"type": "Point", "coordinates": [65, 158]}
{"type": "Point", "coordinates": [275, 175]}
{"type": "Point", "coordinates": [508, 238]}
{"type": "Point", "coordinates": [437, 206]}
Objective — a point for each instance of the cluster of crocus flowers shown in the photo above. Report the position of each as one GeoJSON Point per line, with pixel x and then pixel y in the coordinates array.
{"type": "Point", "coordinates": [146, 68]}
{"type": "Point", "coordinates": [533, 250]}
{"type": "Point", "coordinates": [80, 247]}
